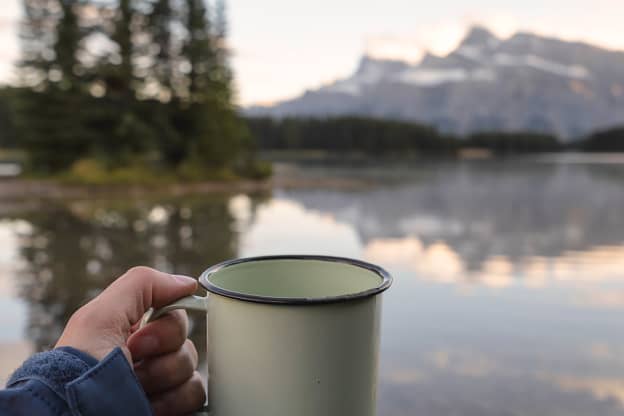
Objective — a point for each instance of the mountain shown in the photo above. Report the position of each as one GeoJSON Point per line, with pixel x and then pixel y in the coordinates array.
{"type": "Point", "coordinates": [525, 82]}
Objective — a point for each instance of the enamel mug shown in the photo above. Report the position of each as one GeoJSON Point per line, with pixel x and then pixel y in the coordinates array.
{"type": "Point", "coordinates": [291, 335]}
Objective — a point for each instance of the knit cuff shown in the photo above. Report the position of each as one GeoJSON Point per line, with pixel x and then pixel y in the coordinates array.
{"type": "Point", "coordinates": [54, 368]}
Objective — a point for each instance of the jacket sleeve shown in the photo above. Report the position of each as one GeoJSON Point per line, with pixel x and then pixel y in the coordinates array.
{"type": "Point", "coordinates": [68, 382]}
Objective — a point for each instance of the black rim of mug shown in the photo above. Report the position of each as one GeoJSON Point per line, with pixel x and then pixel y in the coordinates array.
{"type": "Point", "coordinates": [386, 280]}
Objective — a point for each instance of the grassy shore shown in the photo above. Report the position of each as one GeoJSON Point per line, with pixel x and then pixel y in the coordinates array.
{"type": "Point", "coordinates": [22, 188]}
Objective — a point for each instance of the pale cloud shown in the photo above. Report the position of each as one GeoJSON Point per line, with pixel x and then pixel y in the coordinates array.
{"type": "Point", "coordinates": [497, 272]}
{"type": "Point", "coordinates": [610, 299]}
{"type": "Point", "coordinates": [402, 48]}
{"type": "Point", "coordinates": [603, 351]}
{"type": "Point", "coordinates": [281, 48]}
{"type": "Point", "coordinates": [9, 12]}
{"type": "Point", "coordinates": [405, 376]}
{"type": "Point", "coordinates": [240, 208]}
{"type": "Point", "coordinates": [401, 31]}
{"type": "Point", "coordinates": [463, 363]}
{"type": "Point", "coordinates": [440, 263]}
{"type": "Point", "coordinates": [601, 388]}
{"type": "Point", "coordinates": [272, 232]}
{"type": "Point", "coordinates": [458, 362]}
{"type": "Point", "coordinates": [9, 53]}
{"type": "Point", "coordinates": [440, 359]}
{"type": "Point", "coordinates": [10, 261]}
{"type": "Point", "coordinates": [13, 311]}
{"type": "Point", "coordinates": [437, 262]}
{"type": "Point", "coordinates": [474, 364]}
{"type": "Point", "coordinates": [443, 36]}
{"type": "Point", "coordinates": [438, 38]}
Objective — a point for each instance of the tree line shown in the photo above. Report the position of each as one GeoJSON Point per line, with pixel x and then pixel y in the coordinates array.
{"type": "Point", "coordinates": [108, 85]}
{"type": "Point", "coordinates": [610, 140]}
{"type": "Point", "coordinates": [387, 137]}
{"type": "Point", "coordinates": [347, 134]}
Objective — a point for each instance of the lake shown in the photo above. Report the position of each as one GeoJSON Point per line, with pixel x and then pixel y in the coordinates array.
{"type": "Point", "coordinates": [509, 274]}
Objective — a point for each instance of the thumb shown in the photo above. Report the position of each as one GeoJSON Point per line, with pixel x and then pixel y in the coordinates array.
{"type": "Point", "coordinates": [141, 288]}
{"type": "Point", "coordinates": [106, 322]}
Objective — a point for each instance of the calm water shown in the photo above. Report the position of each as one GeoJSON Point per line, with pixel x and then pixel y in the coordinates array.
{"type": "Point", "coordinates": [509, 290]}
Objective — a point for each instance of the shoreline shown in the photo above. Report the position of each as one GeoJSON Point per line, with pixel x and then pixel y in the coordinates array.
{"type": "Point", "coordinates": [17, 189]}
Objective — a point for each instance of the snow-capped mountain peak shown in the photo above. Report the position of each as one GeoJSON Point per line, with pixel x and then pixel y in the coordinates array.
{"type": "Point", "coordinates": [525, 82]}
{"type": "Point", "coordinates": [479, 36]}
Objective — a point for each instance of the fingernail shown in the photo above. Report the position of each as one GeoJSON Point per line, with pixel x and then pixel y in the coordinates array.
{"type": "Point", "coordinates": [184, 279]}
{"type": "Point", "coordinates": [146, 346]}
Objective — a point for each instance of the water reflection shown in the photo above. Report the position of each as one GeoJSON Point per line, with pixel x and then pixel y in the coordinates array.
{"type": "Point", "coordinates": [73, 250]}
{"type": "Point", "coordinates": [14, 348]}
{"type": "Point", "coordinates": [546, 238]}
{"type": "Point", "coordinates": [282, 226]}
{"type": "Point", "coordinates": [439, 262]}
{"type": "Point", "coordinates": [473, 212]}
{"type": "Point", "coordinates": [509, 276]}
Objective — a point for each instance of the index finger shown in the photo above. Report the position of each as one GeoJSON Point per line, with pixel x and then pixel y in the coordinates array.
{"type": "Point", "coordinates": [162, 336]}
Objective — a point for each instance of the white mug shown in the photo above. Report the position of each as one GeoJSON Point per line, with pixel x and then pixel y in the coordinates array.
{"type": "Point", "coordinates": [294, 335]}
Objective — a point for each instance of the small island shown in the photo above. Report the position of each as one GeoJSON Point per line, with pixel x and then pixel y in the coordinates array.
{"type": "Point", "coordinates": [121, 94]}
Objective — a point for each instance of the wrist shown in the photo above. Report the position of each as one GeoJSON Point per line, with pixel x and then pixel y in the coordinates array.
{"type": "Point", "coordinates": [53, 368]}
{"type": "Point", "coordinates": [89, 359]}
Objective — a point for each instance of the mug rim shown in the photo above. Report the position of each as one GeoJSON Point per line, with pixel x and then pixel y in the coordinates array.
{"type": "Point", "coordinates": [386, 280]}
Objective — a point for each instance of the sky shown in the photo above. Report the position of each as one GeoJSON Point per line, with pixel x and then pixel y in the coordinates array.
{"type": "Point", "coordinates": [281, 48]}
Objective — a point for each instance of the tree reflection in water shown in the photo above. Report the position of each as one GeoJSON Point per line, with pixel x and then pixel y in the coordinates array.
{"type": "Point", "coordinates": [73, 250]}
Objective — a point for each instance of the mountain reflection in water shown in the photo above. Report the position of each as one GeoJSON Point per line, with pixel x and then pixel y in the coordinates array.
{"type": "Point", "coordinates": [509, 275]}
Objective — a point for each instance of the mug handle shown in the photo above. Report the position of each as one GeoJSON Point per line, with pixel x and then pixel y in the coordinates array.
{"type": "Point", "coordinates": [191, 303]}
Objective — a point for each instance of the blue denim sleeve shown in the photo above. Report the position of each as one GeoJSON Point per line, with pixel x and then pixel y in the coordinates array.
{"type": "Point", "coordinates": [68, 382]}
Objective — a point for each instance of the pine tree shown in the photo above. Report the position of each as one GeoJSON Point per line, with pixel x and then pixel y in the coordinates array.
{"type": "Point", "coordinates": [121, 81]}
{"type": "Point", "coordinates": [37, 41]}
{"type": "Point", "coordinates": [220, 20]}
{"type": "Point", "coordinates": [124, 135]}
{"type": "Point", "coordinates": [7, 117]}
{"type": "Point", "coordinates": [50, 116]}
{"type": "Point", "coordinates": [224, 141]}
{"type": "Point", "coordinates": [198, 50]}
{"type": "Point", "coordinates": [216, 133]}
{"type": "Point", "coordinates": [66, 45]}
{"type": "Point", "coordinates": [163, 94]}
{"type": "Point", "coordinates": [222, 72]}
{"type": "Point", "coordinates": [50, 37]}
{"type": "Point", "coordinates": [160, 21]}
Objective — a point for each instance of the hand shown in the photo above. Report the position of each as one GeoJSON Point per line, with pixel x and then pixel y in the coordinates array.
{"type": "Point", "coordinates": [163, 358]}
